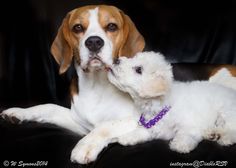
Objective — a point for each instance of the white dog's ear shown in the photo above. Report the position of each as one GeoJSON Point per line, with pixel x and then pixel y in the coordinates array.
{"type": "Point", "coordinates": [156, 86]}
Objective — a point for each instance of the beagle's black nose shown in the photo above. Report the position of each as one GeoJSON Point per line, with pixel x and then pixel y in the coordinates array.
{"type": "Point", "coordinates": [94, 43]}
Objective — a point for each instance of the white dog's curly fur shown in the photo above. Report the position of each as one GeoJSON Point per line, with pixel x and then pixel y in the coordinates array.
{"type": "Point", "coordinates": [199, 110]}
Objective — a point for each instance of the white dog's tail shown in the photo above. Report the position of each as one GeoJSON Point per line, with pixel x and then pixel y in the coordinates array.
{"type": "Point", "coordinates": [225, 78]}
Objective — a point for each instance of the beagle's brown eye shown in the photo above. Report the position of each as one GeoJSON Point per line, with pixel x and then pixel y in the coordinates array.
{"type": "Point", "coordinates": [138, 69]}
{"type": "Point", "coordinates": [78, 28]}
{"type": "Point", "coordinates": [111, 27]}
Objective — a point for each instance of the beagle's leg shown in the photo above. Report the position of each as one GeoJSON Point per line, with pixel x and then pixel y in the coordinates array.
{"type": "Point", "coordinates": [47, 113]}
{"type": "Point", "coordinates": [88, 148]}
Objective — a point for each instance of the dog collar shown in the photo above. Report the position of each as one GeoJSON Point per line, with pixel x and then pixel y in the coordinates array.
{"type": "Point", "coordinates": [155, 120]}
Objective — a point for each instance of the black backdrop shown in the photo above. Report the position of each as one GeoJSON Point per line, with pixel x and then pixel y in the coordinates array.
{"type": "Point", "coordinates": [192, 31]}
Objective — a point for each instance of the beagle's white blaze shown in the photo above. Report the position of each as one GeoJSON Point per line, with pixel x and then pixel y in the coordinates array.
{"type": "Point", "coordinates": [95, 29]}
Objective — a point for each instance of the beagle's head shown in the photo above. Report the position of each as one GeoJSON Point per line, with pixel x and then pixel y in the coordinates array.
{"type": "Point", "coordinates": [146, 75]}
{"type": "Point", "coordinates": [95, 36]}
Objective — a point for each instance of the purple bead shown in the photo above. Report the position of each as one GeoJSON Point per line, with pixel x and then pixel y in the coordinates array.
{"type": "Point", "coordinates": [153, 121]}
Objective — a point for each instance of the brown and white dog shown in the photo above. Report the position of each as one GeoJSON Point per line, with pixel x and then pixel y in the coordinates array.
{"type": "Point", "coordinates": [95, 36]}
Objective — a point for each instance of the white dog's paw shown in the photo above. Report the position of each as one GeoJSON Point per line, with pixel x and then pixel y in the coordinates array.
{"type": "Point", "coordinates": [13, 115]}
{"type": "Point", "coordinates": [85, 153]}
{"type": "Point", "coordinates": [182, 146]}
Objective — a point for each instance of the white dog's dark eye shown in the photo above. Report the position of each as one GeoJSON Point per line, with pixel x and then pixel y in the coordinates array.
{"type": "Point", "coordinates": [78, 28]}
{"type": "Point", "coordinates": [111, 27]}
{"type": "Point", "coordinates": [138, 69]}
{"type": "Point", "coordinates": [117, 61]}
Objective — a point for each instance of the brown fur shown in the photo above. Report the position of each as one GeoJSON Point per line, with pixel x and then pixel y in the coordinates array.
{"type": "Point", "coordinates": [231, 68]}
{"type": "Point", "coordinates": [74, 90]}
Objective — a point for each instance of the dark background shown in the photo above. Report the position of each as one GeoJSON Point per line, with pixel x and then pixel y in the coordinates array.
{"type": "Point", "coordinates": [191, 31]}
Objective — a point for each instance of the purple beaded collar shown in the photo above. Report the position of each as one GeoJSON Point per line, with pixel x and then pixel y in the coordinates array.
{"type": "Point", "coordinates": [157, 118]}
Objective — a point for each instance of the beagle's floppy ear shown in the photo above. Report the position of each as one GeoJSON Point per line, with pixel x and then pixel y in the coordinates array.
{"type": "Point", "coordinates": [133, 42]}
{"type": "Point", "coordinates": [61, 49]}
{"type": "Point", "coordinates": [157, 85]}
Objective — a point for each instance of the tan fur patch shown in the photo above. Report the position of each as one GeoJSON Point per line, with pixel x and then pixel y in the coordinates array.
{"type": "Point", "coordinates": [231, 68]}
{"type": "Point", "coordinates": [74, 90]}
{"type": "Point", "coordinates": [104, 133]}
{"type": "Point", "coordinates": [156, 87]}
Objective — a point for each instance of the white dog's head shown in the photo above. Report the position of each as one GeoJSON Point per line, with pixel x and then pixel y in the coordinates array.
{"type": "Point", "coordinates": [147, 75]}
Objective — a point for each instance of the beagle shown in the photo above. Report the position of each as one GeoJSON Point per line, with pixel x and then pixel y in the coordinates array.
{"type": "Point", "coordinates": [91, 38]}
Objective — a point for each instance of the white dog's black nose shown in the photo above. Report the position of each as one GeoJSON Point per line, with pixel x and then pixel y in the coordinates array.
{"type": "Point", "coordinates": [117, 61]}
{"type": "Point", "coordinates": [94, 43]}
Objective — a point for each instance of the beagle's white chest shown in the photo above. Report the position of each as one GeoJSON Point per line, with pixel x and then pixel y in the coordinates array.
{"type": "Point", "coordinates": [98, 100]}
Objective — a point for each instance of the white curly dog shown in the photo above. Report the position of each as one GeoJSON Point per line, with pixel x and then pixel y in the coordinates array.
{"type": "Point", "coordinates": [184, 113]}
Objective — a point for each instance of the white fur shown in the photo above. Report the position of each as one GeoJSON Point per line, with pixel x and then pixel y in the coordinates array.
{"type": "Point", "coordinates": [198, 111]}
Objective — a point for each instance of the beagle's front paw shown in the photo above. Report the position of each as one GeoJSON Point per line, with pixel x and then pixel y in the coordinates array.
{"type": "Point", "coordinates": [13, 115]}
